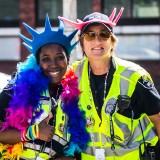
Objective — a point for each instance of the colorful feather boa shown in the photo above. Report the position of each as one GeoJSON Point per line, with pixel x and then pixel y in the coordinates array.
{"type": "Point", "coordinates": [28, 87]}
{"type": "Point", "coordinates": [11, 151]}
{"type": "Point", "coordinates": [79, 136]}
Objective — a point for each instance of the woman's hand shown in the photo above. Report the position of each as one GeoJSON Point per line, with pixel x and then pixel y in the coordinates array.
{"type": "Point", "coordinates": [46, 131]}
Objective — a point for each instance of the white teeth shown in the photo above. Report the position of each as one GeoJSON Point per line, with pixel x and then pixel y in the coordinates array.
{"type": "Point", "coordinates": [54, 73]}
{"type": "Point", "coordinates": [97, 48]}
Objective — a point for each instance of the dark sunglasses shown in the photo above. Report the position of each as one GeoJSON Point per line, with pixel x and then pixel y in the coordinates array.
{"type": "Point", "coordinates": [103, 35]}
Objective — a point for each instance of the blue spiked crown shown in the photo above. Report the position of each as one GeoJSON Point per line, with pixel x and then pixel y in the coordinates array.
{"type": "Point", "coordinates": [48, 36]}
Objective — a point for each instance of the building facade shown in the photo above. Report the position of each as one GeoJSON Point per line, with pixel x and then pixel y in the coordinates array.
{"type": "Point", "coordinates": [138, 30]}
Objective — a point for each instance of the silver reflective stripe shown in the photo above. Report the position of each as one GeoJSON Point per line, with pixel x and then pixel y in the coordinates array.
{"type": "Point", "coordinates": [46, 99]}
{"type": "Point", "coordinates": [37, 148]}
{"type": "Point", "coordinates": [32, 146]}
{"type": "Point", "coordinates": [42, 101]}
{"type": "Point", "coordinates": [151, 133]}
{"type": "Point", "coordinates": [131, 137]}
{"type": "Point", "coordinates": [60, 140]}
{"type": "Point", "coordinates": [124, 84]}
{"type": "Point", "coordinates": [124, 128]}
{"type": "Point", "coordinates": [109, 152]}
{"type": "Point", "coordinates": [47, 150]}
{"type": "Point", "coordinates": [128, 71]}
{"type": "Point", "coordinates": [137, 132]}
{"type": "Point", "coordinates": [78, 71]}
{"type": "Point", "coordinates": [95, 136]}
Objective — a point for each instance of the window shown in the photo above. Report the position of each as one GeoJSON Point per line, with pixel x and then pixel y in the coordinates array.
{"type": "Point", "coordinates": [52, 7]}
{"type": "Point", "coordinates": [146, 9]}
{"type": "Point", "coordinates": [141, 12]}
{"type": "Point", "coordinates": [9, 13]}
{"type": "Point", "coordinates": [109, 5]}
{"type": "Point", "coordinates": [10, 44]}
{"type": "Point", "coordinates": [83, 9]}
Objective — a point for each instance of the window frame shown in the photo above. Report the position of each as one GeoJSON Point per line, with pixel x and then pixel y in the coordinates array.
{"type": "Point", "coordinates": [12, 23]}
{"type": "Point", "coordinates": [136, 21]}
{"type": "Point", "coordinates": [139, 21]}
{"type": "Point", "coordinates": [9, 24]}
{"type": "Point", "coordinates": [40, 23]}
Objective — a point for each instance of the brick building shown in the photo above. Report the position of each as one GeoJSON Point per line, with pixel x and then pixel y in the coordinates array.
{"type": "Point", "coordinates": [138, 30]}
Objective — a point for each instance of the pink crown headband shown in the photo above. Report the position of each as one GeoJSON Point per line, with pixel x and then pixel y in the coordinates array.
{"type": "Point", "coordinates": [109, 21]}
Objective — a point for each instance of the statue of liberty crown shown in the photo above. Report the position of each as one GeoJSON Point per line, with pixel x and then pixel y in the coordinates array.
{"type": "Point", "coordinates": [48, 36]}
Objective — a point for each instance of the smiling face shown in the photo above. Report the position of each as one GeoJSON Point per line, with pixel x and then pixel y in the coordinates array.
{"type": "Point", "coordinates": [97, 47]}
{"type": "Point", "coordinates": [53, 61]}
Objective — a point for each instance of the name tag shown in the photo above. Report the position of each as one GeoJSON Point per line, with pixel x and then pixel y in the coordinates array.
{"type": "Point", "coordinates": [100, 154]}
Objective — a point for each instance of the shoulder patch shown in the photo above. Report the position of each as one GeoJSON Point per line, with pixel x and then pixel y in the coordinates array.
{"type": "Point", "coordinates": [146, 82]}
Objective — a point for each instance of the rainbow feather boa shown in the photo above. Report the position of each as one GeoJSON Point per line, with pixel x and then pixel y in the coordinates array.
{"type": "Point", "coordinates": [11, 151]}
{"type": "Point", "coordinates": [79, 136]}
{"type": "Point", "coordinates": [28, 88]}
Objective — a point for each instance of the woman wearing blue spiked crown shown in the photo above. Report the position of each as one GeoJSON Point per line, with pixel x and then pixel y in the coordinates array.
{"type": "Point", "coordinates": [39, 114]}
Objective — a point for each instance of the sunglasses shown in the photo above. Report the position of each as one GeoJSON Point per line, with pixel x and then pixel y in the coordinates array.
{"type": "Point", "coordinates": [103, 35]}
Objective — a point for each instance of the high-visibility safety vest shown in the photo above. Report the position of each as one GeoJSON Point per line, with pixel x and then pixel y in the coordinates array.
{"type": "Point", "coordinates": [119, 136]}
{"type": "Point", "coordinates": [31, 150]}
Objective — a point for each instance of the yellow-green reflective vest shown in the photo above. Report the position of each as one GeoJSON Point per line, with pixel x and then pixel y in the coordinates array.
{"type": "Point", "coordinates": [60, 133]}
{"type": "Point", "coordinates": [127, 131]}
